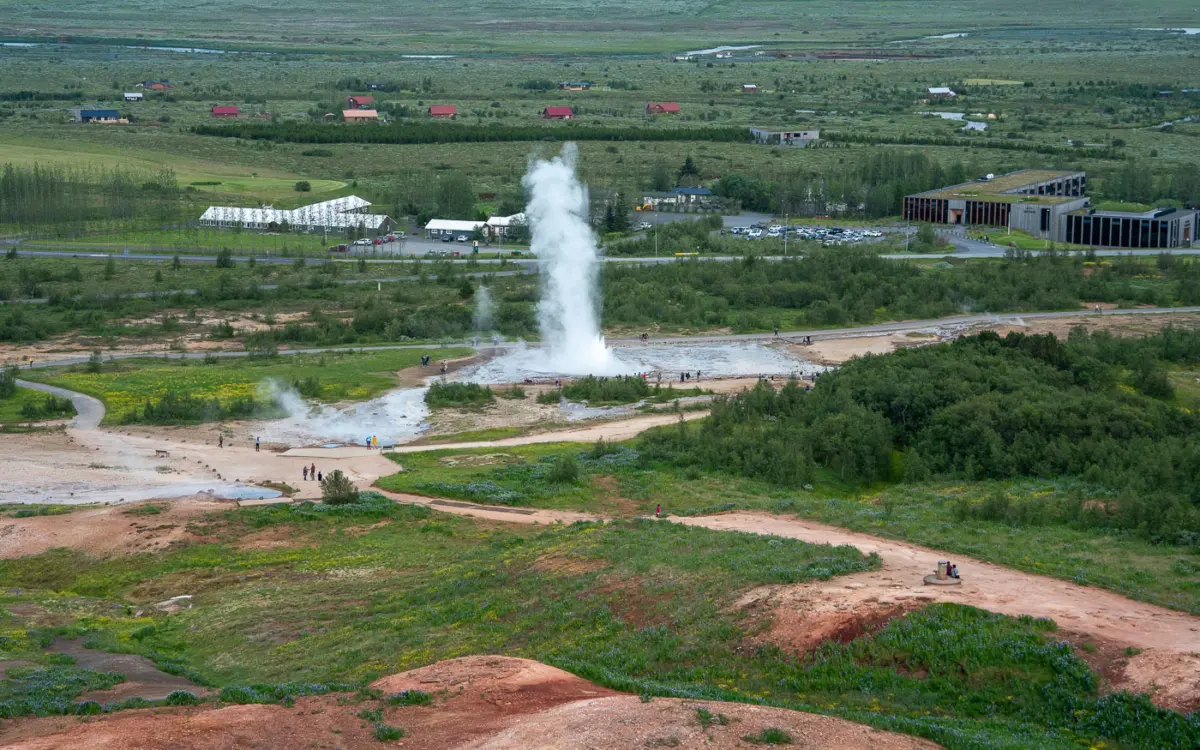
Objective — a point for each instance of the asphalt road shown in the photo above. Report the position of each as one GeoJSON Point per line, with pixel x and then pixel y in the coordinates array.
{"type": "Point", "coordinates": [816, 333]}
{"type": "Point", "coordinates": [89, 411]}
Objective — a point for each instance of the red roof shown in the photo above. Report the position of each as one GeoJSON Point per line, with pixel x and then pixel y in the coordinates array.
{"type": "Point", "coordinates": [662, 107]}
{"type": "Point", "coordinates": [218, 111]}
{"type": "Point", "coordinates": [558, 112]}
{"type": "Point", "coordinates": [442, 110]}
{"type": "Point", "coordinates": [363, 99]}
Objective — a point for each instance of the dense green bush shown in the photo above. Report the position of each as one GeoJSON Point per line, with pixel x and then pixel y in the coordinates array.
{"type": "Point", "coordinates": [184, 408]}
{"type": "Point", "coordinates": [458, 395]}
{"type": "Point", "coordinates": [981, 407]}
{"type": "Point", "coordinates": [337, 489]}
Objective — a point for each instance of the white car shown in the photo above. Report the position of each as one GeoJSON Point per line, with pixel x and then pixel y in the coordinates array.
{"type": "Point", "coordinates": [754, 234]}
{"type": "Point", "coordinates": [461, 238]}
{"type": "Point", "coordinates": [363, 241]}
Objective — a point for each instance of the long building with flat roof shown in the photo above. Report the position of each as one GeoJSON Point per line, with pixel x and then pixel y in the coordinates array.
{"type": "Point", "coordinates": [1052, 205]}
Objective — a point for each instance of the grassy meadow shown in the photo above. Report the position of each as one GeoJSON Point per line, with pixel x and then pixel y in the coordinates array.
{"type": "Point", "coordinates": [126, 385]}
{"type": "Point", "coordinates": [620, 484]}
{"type": "Point", "coordinates": [374, 588]}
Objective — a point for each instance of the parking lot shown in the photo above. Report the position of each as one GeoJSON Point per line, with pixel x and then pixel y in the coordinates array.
{"type": "Point", "coordinates": [828, 236]}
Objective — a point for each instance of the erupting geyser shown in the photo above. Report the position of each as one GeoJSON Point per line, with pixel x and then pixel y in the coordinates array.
{"type": "Point", "coordinates": [566, 251]}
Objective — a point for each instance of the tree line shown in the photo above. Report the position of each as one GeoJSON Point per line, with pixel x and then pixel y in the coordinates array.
{"type": "Point", "coordinates": [42, 195]}
{"type": "Point", "coordinates": [847, 286]}
{"type": "Point", "coordinates": [983, 407]}
{"type": "Point", "coordinates": [303, 132]}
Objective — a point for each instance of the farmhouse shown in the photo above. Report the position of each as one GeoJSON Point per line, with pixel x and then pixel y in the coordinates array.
{"type": "Point", "coordinates": [558, 113]}
{"type": "Point", "coordinates": [360, 115]}
{"type": "Point", "coordinates": [784, 137]}
{"type": "Point", "coordinates": [438, 228]}
{"type": "Point", "coordinates": [97, 115]}
{"type": "Point", "coordinates": [941, 92]}
{"type": "Point", "coordinates": [334, 215]}
{"type": "Point", "coordinates": [499, 226]}
{"type": "Point", "coordinates": [134, 96]}
{"type": "Point", "coordinates": [444, 111]}
{"type": "Point", "coordinates": [575, 85]}
{"type": "Point", "coordinates": [360, 102]}
{"type": "Point", "coordinates": [224, 111]}
{"type": "Point", "coordinates": [749, 88]}
{"type": "Point", "coordinates": [662, 108]}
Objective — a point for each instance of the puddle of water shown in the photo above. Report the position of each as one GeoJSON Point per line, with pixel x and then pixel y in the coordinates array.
{"type": "Point", "coordinates": [723, 48]}
{"type": "Point", "coordinates": [1184, 30]}
{"type": "Point", "coordinates": [247, 492]}
{"type": "Point", "coordinates": [711, 359]}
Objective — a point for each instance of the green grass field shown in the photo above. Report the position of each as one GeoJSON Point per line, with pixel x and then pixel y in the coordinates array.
{"type": "Point", "coordinates": [223, 180]}
{"type": "Point", "coordinates": [125, 385]}
{"type": "Point", "coordinates": [923, 514]}
{"type": "Point", "coordinates": [11, 408]}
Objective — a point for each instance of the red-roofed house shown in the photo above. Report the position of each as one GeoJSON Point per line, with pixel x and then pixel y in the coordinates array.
{"type": "Point", "coordinates": [360, 102]}
{"type": "Point", "coordinates": [662, 108]}
{"type": "Point", "coordinates": [557, 113]}
{"type": "Point", "coordinates": [446, 111]}
{"type": "Point", "coordinates": [224, 111]}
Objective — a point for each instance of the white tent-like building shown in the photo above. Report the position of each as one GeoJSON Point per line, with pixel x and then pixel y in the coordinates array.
{"type": "Point", "coordinates": [334, 215]}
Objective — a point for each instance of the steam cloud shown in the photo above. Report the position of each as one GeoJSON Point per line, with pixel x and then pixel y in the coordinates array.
{"type": "Point", "coordinates": [566, 251]}
{"type": "Point", "coordinates": [485, 310]}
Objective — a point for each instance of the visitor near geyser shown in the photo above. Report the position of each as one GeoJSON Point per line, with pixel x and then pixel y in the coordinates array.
{"type": "Point", "coordinates": [568, 257]}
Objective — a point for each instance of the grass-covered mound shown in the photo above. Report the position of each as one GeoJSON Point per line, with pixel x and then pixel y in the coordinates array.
{"type": "Point", "coordinates": [984, 407]}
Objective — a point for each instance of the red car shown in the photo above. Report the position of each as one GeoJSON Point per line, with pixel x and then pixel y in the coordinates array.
{"type": "Point", "coordinates": [377, 241]}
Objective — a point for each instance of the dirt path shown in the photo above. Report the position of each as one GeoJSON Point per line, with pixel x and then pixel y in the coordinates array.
{"type": "Point", "coordinates": [1168, 668]}
{"type": "Point", "coordinates": [803, 615]}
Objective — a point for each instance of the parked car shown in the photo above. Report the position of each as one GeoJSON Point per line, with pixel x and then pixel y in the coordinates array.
{"type": "Point", "coordinates": [377, 241]}
{"type": "Point", "coordinates": [754, 234]}
{"type": "Point", "coordinates": [390, 238]}
{"type": "Point", "coordinates": [644, 225]}
{"type": "Point", "coordinates": [446, 238]}
{"type": "Point", "coordinates": [339, 248]}
{"type": "Point", "coordinates": [362, 241]}
{"type": "Point", "coordinates": [461, 238]}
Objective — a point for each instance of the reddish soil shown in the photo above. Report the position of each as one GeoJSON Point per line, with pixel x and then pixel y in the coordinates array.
{"type": "Point", "coordinates": [479, 703]}
{"type": "Point", "coordinates": [106, 531]}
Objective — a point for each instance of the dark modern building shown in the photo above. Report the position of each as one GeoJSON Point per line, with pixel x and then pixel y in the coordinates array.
{"type": "Point", "coordinates": [1051, 205]}
{"type": "Point", "coordinates": [1161, 228]}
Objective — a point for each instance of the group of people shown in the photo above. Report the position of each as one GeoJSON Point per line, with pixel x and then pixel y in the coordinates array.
{"type": "Point", "coordinates": [685, 376]}
{"type": "Point", "coordinates": [371, 441]}
{"type": "Point", "coordinates": [310, 472]}
{"type": "Point", "coordinates": [951, 570]}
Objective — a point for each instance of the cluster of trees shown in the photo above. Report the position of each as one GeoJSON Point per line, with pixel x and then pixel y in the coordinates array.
{"type": "Point", "coordinates": [184, 408]}
{"type": "Point", "coordinates": [875, 189]}
{"type": "Point", "coordinates": [1137, 182]}
{"type": "Point", "coordinates": [48, 407]}
{"type": "Point", "coordinates": [312, 132]}
{"type": "Point", "coordinates": [624, 389]}
{"type": "Point", "coordinates": [844, 286]}
{"type": "Point", "coordinates": [676, 237]}
{"type": "Point", "coordinates": [981, 407]}
{"type": "Point", "coordinates": [41, 196]}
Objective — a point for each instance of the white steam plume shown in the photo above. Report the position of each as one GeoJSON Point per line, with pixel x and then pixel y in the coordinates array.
{"type": "Point", "coordinates": [485, 309]}
{"type": "Point", "coordinates": [566, 251]}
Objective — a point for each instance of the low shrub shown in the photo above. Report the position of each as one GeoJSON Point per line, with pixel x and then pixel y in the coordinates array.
{"type": "Point", "coordinates": [409, 698]}
{"type": "Point", "coordinates": [182, 698]}
{"type": "Point", "coordinates": [458, 395]}
{"type": "Point", "coordinates": [769, 736]}
{"type": "Point", "coordinates": [387, 732]}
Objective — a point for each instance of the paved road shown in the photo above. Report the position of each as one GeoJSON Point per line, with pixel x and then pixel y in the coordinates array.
{"type": "Point", "coordinates": [816, 333]}
{"type": "Point", "coordinates": [89, 411]}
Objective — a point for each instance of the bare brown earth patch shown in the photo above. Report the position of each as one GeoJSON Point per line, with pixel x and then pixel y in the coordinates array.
{"type": "Point", "coordinates": [106, 531]}
{"type": "Point", "coordinates": [478, 702]}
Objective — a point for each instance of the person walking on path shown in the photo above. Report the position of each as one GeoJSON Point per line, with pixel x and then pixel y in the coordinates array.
{"type": "Point", "coordinates": [220, 441]}
{"type": "Point", "coordinates": [257, 444]}
{"type": "Point", "coordinates": [320, 478]}
{"type": "Point", "coordinates": [658, 511]}
{"type": "Point", "coordinates": [306, 473]}
{"type": "Point", "coordinates": [312, 471]}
